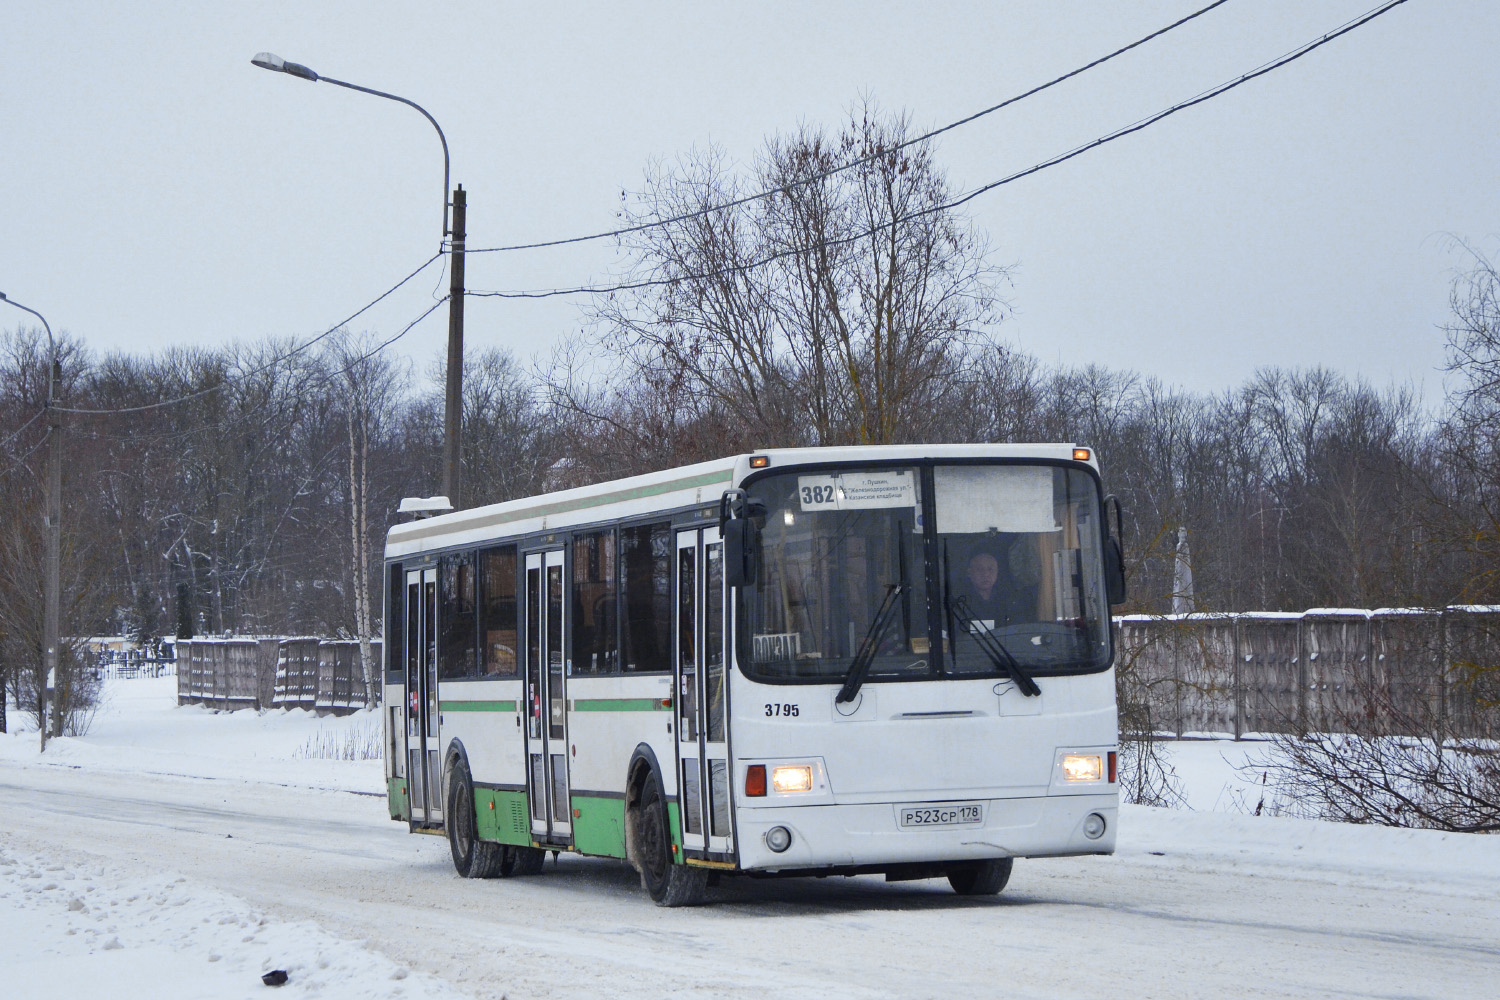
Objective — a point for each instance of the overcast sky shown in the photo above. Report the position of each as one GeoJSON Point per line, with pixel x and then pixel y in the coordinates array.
{"type": "Point", "coordinates": [156, 189]}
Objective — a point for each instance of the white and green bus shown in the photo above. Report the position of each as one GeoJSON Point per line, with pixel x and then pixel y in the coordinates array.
{"type": "Point", "coordinates": [809, 661]}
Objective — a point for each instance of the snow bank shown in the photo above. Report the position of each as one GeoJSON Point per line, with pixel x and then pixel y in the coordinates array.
{"type": "Point", "coordinates": [141, 729]}
{"type": "Point", "coordinates": [74, 927]}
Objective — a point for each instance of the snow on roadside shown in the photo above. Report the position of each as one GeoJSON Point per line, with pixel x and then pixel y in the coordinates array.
{"type": "Point", "coordinates": [76, 923]}
{"type": "Point", "coordinates": [141, 729]}
{"type": "Point", "coordinates": [75, 927]}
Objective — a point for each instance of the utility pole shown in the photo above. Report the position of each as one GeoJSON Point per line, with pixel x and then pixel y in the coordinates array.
{"type": "Point", "coordinates": [453, 404]}
{"type": "Point", "coordinates": [52, 615]}
{"type": "Point", "coordinates": [453, 394]}
{"type": "Point", "coordinates": [52, 525]}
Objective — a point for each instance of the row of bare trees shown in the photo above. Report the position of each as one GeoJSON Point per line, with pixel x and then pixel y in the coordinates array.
{"type": "Point", "coordinates": [852, 306]}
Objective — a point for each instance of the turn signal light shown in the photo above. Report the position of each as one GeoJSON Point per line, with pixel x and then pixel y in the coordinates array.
{"type": "Point", "coordinates": [1080, 454]}
{"type": "Point", "coordinates": [755, 780]}
{"type": "Point", "coordinates": [1112, 770]}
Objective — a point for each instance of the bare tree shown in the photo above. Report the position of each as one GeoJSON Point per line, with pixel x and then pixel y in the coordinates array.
{"type": "Point", "coordinates": [369, 384]}
{"type": "Point", "coordinates": [1395, 761]}
{"type": "Point", "coordinates": [73, 690]}
{"type": "Point", "coordinates": [848, 307]}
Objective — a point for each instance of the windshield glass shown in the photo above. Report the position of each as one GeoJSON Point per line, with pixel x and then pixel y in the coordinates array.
{"type": "Point", "coordinates": [1020, 562]}
{"type": "Point", "coordinates": [833, 547]}
{"type": "Point", "coordinates": [1016, 554]}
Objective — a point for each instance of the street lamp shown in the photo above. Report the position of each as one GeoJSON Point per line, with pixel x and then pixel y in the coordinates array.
{"type": "Point", "coordinates": [52, 573]}
{"type": "Point", "coordinates": [453, 392]}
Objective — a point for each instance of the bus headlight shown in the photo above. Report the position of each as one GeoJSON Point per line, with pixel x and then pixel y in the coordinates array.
{"type": "Point", "coordinates": [778, 838]}
{"type": "Point", "coordinates": [1082, 767]}
{"type": "Point", "coordinates": [1093, 826]}
{"type": "Point", "coordinates": [792, 778]}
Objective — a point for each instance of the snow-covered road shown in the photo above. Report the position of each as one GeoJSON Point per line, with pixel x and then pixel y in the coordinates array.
{"type": "Point", "coordinates": [218, 879]}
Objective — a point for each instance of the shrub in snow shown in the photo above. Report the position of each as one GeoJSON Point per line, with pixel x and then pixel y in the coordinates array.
{"type": "Point", "coordinates": [1428, 776]}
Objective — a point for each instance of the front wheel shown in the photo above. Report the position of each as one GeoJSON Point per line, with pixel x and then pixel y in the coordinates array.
{"type": "Point", "coordinates": [472, 857]}
{"type": "Point", "coordinates": [669, 884]}
{"type": "Point", "coordinates": [980, 878]}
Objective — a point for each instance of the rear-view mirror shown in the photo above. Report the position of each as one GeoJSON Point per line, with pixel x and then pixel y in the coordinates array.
{"type": "Point", "coordinates": [741, 552]}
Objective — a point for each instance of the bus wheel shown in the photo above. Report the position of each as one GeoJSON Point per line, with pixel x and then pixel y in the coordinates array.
{"type": "Point", "coordinates": [527, 861]}
{"type": "Point", "coordinates": [474, 858]}
{"type": "Point", "coordinates": [668, 883]}
{"type": "Point", "coordinates": [980, 878]}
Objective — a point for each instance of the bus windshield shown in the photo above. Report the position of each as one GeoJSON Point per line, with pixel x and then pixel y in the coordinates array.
{"type": "Point", "coordinates": [1007, 578]}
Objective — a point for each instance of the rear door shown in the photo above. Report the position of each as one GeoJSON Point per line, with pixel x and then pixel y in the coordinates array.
{"type": "Point", "coordinates": [423, 720]}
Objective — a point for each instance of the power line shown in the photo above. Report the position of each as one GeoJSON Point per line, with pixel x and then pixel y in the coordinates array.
{"type": "Point", "coordinates": [274, 361]}
{"type": "Point", "coordinates": [18, 431]}
{"type": "Point", "coordinates": [31, 451]}
{"type": "Point", "coordinates": [321, 379]}
{"type": "Point", "coordinates": [1119, 133]}
{"type": "Point", "coordinates": [813, 178]}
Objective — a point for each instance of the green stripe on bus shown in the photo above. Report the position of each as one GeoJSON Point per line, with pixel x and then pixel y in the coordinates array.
{"type": "Point", "coordinates": [478, 706]}
{"type": "Point", "coordinates": [622, 705]}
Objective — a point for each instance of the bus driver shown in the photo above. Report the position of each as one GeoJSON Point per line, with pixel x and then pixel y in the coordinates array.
{"type": "Point", "coordinates": [987, 602]}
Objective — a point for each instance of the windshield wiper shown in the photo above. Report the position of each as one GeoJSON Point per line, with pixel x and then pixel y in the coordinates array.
{"type": "Point", "coordinates": [993, 648]}
{"type": "Point", "coordinates": [869, 644]}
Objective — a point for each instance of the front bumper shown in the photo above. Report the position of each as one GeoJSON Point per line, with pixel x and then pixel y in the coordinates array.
{"type": "Point", "coordinates": [825, 836]}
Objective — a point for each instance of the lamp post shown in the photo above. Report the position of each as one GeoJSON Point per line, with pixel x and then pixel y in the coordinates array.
{"type": "Point", "coordinates": [453, 390]}
{"type": "Point", "coordinates": [52, 555]}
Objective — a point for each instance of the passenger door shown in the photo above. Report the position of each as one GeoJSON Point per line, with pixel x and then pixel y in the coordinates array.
{"type": "Point", "coordinates": [702, 693]}
{"type": "Point", "coordinates": [424, 763]}
{"type": "Point", "coordinates": [546, 697]}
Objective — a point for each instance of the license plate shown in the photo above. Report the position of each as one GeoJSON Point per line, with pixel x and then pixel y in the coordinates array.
{"type": "Point", "coordinates": [947, 814]}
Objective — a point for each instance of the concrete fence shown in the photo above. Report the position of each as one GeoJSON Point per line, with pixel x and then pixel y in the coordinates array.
{"type": "Point", "coordinates": [321, 675]}
{"type": "Point", "coordinates": [1316, 671]}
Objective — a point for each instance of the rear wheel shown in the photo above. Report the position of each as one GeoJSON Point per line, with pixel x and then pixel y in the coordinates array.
{"type": "Point", "coordinates": [980, 878]}
{"type": "Point", "coordinates": [527, 861]}
{"type": "Point", "coordinates": [668, 883]}
{"type": "Point", "coordinates": [472, 857]}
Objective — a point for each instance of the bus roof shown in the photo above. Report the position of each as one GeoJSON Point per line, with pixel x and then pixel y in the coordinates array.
{"type": "Point", "coordinates": [669, 489]}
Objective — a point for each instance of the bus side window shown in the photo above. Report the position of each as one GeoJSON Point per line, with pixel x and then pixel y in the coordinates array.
{"type": "Point", "coordinates": [458, 628]}
{"type": "Point", "coordinates": [497, 610]}
{"type": "Point", "coordinates": [646, 596]}
{"type": "Point", "coordinates": [395, 620]}
{"type": "Point", "coordinates": [595, 642]}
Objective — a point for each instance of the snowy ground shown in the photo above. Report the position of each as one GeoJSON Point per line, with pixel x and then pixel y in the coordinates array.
{"type": "Point", "coordinates": [175, 852]}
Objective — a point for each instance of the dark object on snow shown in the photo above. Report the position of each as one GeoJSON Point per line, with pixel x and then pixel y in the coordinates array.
{"type": "Point", "coordinates": [274, 978]}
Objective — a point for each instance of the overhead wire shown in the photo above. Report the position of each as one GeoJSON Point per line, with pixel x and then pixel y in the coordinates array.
{"type": "Point", "coordinates": [19, 430]}
{"type": "Point", "coordinates": [821, 175]}
{"type": "Point", "coordinates": [29, 452]}
{"type": "Point", "coordinates": [1263, 69]}
{"type": "Point", "coordinates": [267, 365]}
{"type": "Point", "coordinates": [318, 380]}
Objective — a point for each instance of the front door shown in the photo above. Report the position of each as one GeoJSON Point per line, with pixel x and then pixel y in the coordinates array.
{"type": "Point", "coordinates": [546, 697]}
{"type": "Point", "coordinates": [702, 693]}
{"type": "Point", "coordinates": [423, 750]}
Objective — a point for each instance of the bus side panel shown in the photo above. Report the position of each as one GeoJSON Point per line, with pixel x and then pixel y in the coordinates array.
{"type": "Point", "coordinates": [502, 816]}
{"type": "Point", "coordinates": [393, 722]}
{"type": "Point", "coordinates": [608, 717]}
{"type": "Point", "coordinates": [481, 716]}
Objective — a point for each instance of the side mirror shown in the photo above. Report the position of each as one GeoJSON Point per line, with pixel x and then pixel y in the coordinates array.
{"type": "Point", "coordinates": [741, 552]}
{"type": "Point", "coordinates": [1114, 571]}
{"type": "Point", "coordinates": [1114, 555]}
{"type": "Point", "coordinates": [741, 536]}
